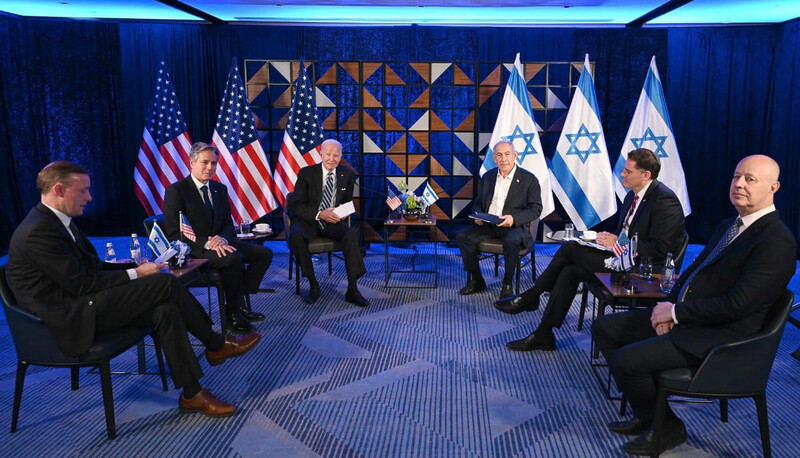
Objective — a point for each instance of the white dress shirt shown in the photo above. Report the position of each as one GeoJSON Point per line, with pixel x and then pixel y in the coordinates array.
{"type": "Point", "coordinates": [324, 179]}
{"type": "Point", "coordinates": [501, 187]}
{"type": "Point", "coordinates": [199, 185]}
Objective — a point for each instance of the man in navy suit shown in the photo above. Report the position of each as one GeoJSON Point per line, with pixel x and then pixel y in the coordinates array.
{"type": "Point", "coordinates": [205, 204]}
{"type": "Point", "coordinates": [651, 211]}
{"type": "Point", "coordinates": [722, 297]}
{"type": "Point", "coordinates": [513, 194]}
{"type": "Point", "coordinates": [318, 190]}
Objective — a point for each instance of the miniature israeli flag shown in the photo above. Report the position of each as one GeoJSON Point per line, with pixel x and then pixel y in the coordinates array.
{"type": "Point", "coordinates": [157, 241]}
{"type": "Point", "coordinates": [428, 196]}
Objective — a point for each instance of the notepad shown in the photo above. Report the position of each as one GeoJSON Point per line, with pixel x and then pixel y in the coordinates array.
{"type": "Point", "coordinates": [487, 217]}
{"type": "Point", "coordinates": [344, 210]}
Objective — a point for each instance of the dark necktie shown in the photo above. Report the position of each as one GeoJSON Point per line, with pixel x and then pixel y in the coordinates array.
{"type": "Point", "coordinates": [631, 212]}
{"type": "Point", "coordinates": [726, 239]}
{"type": "Point", "coordinates": [207, 202]}
{"type": "Point", "coordinates": [327, 196]}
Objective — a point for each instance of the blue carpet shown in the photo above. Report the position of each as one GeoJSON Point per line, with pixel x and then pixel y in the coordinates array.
{"type": "Point", "coordinates": [421, 372]}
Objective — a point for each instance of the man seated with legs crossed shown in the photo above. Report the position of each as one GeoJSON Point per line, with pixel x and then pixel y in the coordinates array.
{"type": "Point", "coordinates": [651, 211]}
{"type": "Point", "coordinates": [722, 297]}
{"type": "Point", "coordinates": [54, 272]}
{"type": "Point", "coordinates": [318, 190]}
{"type": "Point", "coordinates": [205, 204]}
{"type": "Point", "coordinates": [513, 194]}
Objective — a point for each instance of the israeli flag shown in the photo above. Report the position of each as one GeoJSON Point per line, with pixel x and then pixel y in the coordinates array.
{"type": "Point", "coordinates": [582, 178]}
{"type": "Point", "coordinates": [650, 128]}
{"type": "Point", "coordinates": [157, 241]}
{"type": "Point", "coordinates": [428, 196]}
{"type": "Point", "coordinates": [515, 123]}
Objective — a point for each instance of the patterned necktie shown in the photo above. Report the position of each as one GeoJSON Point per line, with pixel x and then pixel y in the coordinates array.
{"type": "Point", "coordinates": [207, 202]}
{"type": "Point", "coordinates": [327, 196]}
{"type": "Point", "coordinates": [726, 239]}
{"type": "Point", "coordinates": [631, 211]}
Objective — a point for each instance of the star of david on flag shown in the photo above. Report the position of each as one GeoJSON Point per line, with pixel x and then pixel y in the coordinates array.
{"type": "Point", "coordinates": [157, 241]}
{"type": "Point", "coordinates": [515, 123]}
{"type": "Point", "coordinates": [651, 128]}
{"type": "Point", "coordinates": [428, 196]}
{"type": "Point", "coordinates": [582, 178]}
{"type": "Point", "coordinates": [243, 166]}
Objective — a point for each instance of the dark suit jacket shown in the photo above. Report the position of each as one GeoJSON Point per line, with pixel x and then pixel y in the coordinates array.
{"type": "Point", "coordinates": [307, 194]}
{"type": "Point", "coordinates": [729, 298]}
{"type": "Point", "coordinates": [184, 196]}
{"type": "Point", "coordinates": [523, 202]}
{"type": "Point", "coordinates": [57, 279]}
{"type": "Point", "coordinates": [658, 221]}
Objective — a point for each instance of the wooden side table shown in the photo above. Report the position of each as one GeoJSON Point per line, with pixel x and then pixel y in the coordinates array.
{"type": "Point", "coordinates": [429, 223]}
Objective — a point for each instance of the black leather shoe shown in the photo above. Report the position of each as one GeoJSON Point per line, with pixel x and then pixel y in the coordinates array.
{"type": "Point", "coordinates": [506, 291]}
{"type": "Point", "coordinates": [474, 286]}
{"type": "Point", "coordinates": [356, 298]}
{"type": "Point", "coordinates": [313, 295]}
{"type": "Point", "coordinates": [632, 427]}
{"type": "Point", "coordinates": [239, 324]}
{"type": "Point", "coordinates": [674, 434]}
{"type": "Point", "coordinates": [533, 342]}
{"type": "Point", "coordinates": [252, 316]}
{"type": "Point", "coordinates": [515, 304]}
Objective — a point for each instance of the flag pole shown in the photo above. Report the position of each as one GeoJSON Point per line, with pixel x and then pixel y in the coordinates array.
{"type": "Point", "coordinates": [180, 225]}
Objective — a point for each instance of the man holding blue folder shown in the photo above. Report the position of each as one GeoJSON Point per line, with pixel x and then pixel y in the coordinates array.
{"type": "Point", "coordinates": [512, 195]}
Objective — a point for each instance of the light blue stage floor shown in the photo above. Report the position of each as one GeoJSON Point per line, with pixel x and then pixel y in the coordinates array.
{"type": "Point", "coordinates": [421, 372]}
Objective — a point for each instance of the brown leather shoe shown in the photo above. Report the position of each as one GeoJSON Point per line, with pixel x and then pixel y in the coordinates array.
{"type": "Point", "coordinates": [234, 346]}
{"type": "Point", "coordinates": [205, 403]}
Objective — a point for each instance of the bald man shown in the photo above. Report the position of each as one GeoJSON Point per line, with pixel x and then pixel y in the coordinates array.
{"type": "Point", "coordinates": [722, 297]}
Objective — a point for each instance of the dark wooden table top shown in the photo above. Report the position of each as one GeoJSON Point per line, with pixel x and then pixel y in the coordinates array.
{"type": "Point", "coordinates": [401, 221]}
{"type": "Point", "coordinates": [646, 289]}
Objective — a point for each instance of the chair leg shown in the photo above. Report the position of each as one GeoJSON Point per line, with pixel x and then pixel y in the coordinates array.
{"type": "Point", "coordinates": [658, 421]}
{"type": "Point", "coordinates": [160, 359]}
{"type": "Point", "coordinates": [723, 410]}
{"type": "Point", "coordinates": [74, 376]}
{"type": "Point", "coordinates": [291, 262]}
{"type": "Point", "coordinates": [519, 269]}
{"type": "Point", "coordinates": [296, 279]}
{"type": "Point", "coordinates": [330, 264]}
{"type": "Point", "coordinates": [223, 309]}
{"type": "Point", "coordinates": [108, 398]}
{"type": "Point", "coordinates": [763, 423]}
{"type": "Point", "coordinates": [21, 368]}
{"type": "Point", "coordinates": [584, 300]}
{"type": "Point", "coordinates": [496, 265]}
{"type": "Point", "coordinates": [623, 404]}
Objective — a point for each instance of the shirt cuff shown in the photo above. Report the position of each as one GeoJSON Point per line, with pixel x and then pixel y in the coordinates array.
{"type": "Point", "coordinates": [206, 245]}
{"type": "Point", "coordinates": [674, 318]}
{"type": "Point", "coordinates": [132, 274]}
{"type": "Point", "coordinates": [317, 217]}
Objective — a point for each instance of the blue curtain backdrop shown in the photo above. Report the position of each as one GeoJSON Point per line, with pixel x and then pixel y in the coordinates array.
{"type": "Point", "coordinates": [78, 90]}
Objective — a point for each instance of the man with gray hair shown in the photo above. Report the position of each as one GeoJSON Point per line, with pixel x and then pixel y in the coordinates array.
{"type": "Point", "coordinates": [205, 204]}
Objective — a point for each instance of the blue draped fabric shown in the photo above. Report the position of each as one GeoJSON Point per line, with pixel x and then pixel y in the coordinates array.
{"type": "Point", "coordinates": [78, 89]}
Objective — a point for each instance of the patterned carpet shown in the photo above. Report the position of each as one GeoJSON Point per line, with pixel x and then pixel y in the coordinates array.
{"type": "Point", "coordinates": [421, 372]}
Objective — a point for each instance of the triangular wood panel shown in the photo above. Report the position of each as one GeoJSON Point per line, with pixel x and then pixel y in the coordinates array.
{"type": "Point", "coordinates": [535, 104]}
{"type": "Point", "coordinates": [436, 123]}
{"type": "Point", "coordinates": [253, 91]}
{"type": "Point", "coordinates": [330, 121]}
{"type": "Point", "coordinates": [391, 123]}
{"type": "Point", "coordinates": [400, 145]}
{"type": "Point", "coordinates": [493, 79]}
{"type": "Point", "coordinates": [438, 189]}
{"type": "Point", "coordinates": [259, 123]}
{"type": "Point", "coordinates": [437, 169]}
{"type": "Point", "coordinates": [281, 124]}
{"type": "Point", "coordinates": [400, 161]}
{"type": "Point", "coordinates": [392, 78]}
{"type": "Point", "coordinates": [424, 70]}
{"type": "Point", "coordinates": [370, 234]}
{"type": "Point", "coordinates": [466, 191]}
{"type": "Point", "coordinates": [531, 70]}
{"type": "Point", "coordinates": [459, 77]}
{"type": "Point", "coordinates": [440, 237]}
{"type": "Point", "coordinates": [484, 92]}
{"type": "Point", "coordinates": [399, 235]}
{"type": "Point", "coordinates": [352, 123]}
{"type": "Point", "coordinates": [368, 100]}
{"type": "Point", "coordinates": [423, 101]}
{"type": "Point", "coordinates": [424, 139]}
{"type": "Point", "coordinates": [284, 100]}
{"type": "Point", "coordinates": [369, 123]}
{"type": "Point", "coordinates": [369, 68]}
{"type": "Point", "coordinates": [414, 160]}
{"type": "Point", "coordinates": [329, 77]}
{"type": "Point", "coordinates": [468, 124]}
{"type": "Point", "coordinates": [351, 68]}
{"type": "Point", "coordinates": [261, 76]}
{"type": "Point", "coordinates": [440, 215]}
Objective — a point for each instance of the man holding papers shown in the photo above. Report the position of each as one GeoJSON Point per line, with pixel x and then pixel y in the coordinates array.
{"type": "Point", "coordinates": [651, 211]}
{"type": "Point", "coordinates": [318, 191]}
{"type": "Point", "coordinates": [511, 194]}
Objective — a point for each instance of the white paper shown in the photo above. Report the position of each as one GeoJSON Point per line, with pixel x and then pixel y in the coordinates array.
{"type": "Point", "coordinates": [165, 256]}
{"type": "Point", "coordinates": [592, 244]}
{"type": "Point", "coordinates": [342, 211]}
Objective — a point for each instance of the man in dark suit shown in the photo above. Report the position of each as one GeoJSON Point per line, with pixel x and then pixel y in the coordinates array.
{"type": "Point", "coordinates": [513, 194]}
{"type": "Point", "coordinates": [54, 272]}
{"type": "Point", "coordinates": [651, 211]}
{"type": "Point", "coordinates": [318, 190]}
{"type": "Point", "coordinates": [205, 204]}
{"type": "Point", "coordinates": [722, 297]}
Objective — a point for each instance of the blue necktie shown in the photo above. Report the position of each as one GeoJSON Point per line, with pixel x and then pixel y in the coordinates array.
{"type": "Point", "coordinates": [327, 196]}
{"type": "Point", "coordinates": [207, 202]}
{"type": "Point", "coordinates": [726, 239]}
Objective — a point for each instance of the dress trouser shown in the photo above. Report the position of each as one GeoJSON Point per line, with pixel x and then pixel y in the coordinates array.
{"type": "Point", "coordinates": [303, 232]}
{"type": "Point", "coordinates": [160, 302]}
{"type": "Point", "coordinates": [236, 279]}
{"type": "Point", "coordinates": [511, 237]}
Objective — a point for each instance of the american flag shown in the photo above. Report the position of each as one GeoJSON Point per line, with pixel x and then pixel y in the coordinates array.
{"type": "Point", "coordinates": [392, 200]}
{"type": "Point", "coordinates": [243, 166]}
{"type": "Point", "coordinates": [186, 228]}
{"type": "Point", "coordinates": [302, 139]}
{"type": "Point", "coordinates": [620, 244]}
{"type": "Point", "coordinates": [164, 153]}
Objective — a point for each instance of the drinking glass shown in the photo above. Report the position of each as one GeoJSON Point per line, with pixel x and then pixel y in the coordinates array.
{"type": "Point", "coordinates": [646, 267]}
{"type": "Point", "coordinates": [569, 230]}
{"type": "Point", "coordinates": [244, 228]}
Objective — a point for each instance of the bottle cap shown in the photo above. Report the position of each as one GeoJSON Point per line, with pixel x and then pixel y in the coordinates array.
{"type": "Point", "coordinates": [134, 235]}
{"type": "Point", "coordinates": [109, 244]}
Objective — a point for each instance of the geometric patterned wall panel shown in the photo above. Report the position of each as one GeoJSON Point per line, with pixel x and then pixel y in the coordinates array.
{"type": "Point", "coordinates": [410, 122]}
